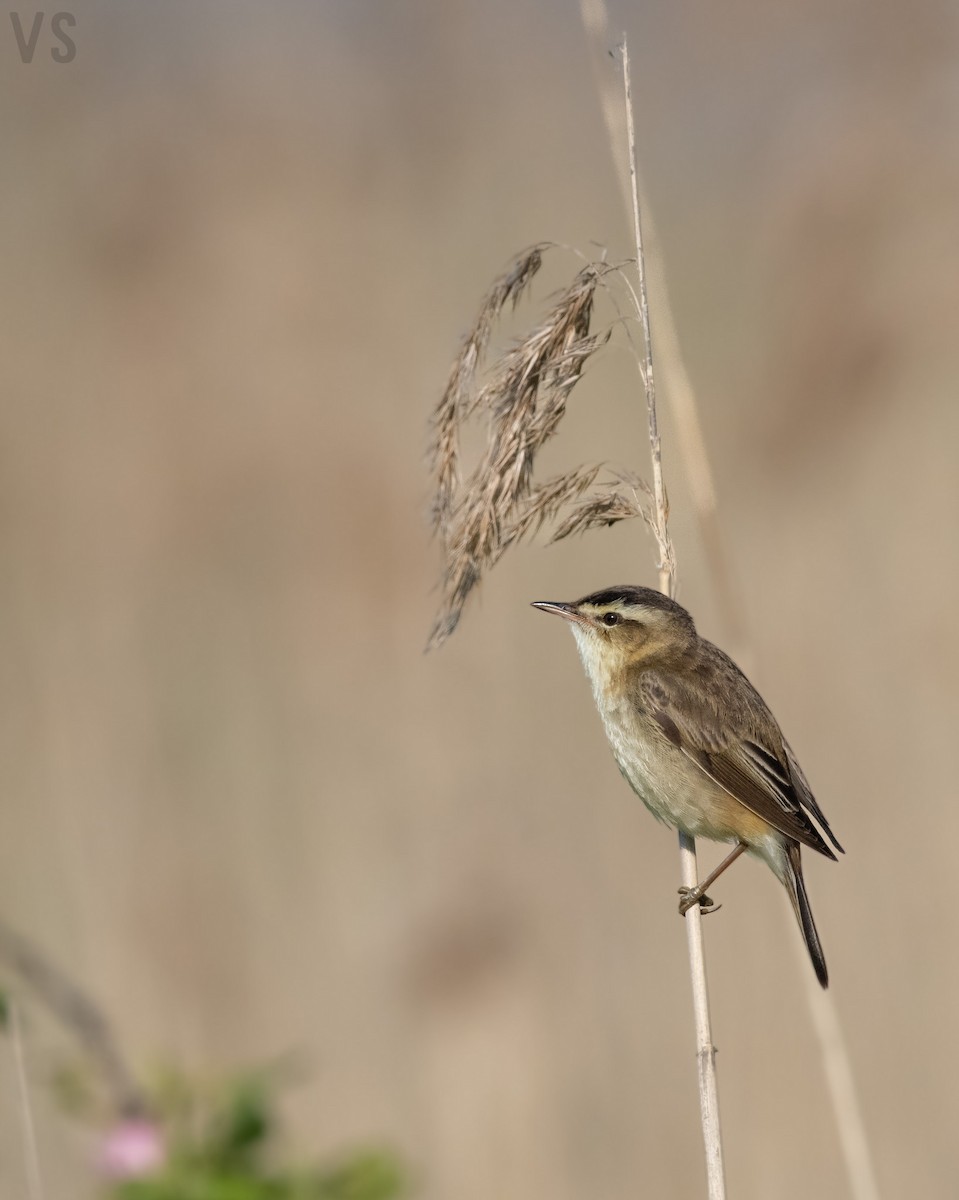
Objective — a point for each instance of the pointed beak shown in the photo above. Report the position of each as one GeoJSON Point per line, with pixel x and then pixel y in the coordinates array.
{"type": "Point", "coordinates": [569, 611]}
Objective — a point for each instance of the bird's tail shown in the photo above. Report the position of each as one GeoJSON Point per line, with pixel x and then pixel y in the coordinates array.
{"type": "Point", "coordinates": [800, 901]}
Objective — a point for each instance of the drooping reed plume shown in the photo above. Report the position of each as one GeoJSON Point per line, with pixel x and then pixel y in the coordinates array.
{"type": "Point", "coordinates": [522, 396]}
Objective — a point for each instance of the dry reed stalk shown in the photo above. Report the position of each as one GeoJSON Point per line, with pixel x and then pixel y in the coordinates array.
{"type": "Point", "coordinates": [834, 1050]}
{"type": "Point", "coordinates": [705, 1050]}
{"type": "Point", "coordinates": [841, 1082]}
{"type": "Point", "coordinates": [690, 436]}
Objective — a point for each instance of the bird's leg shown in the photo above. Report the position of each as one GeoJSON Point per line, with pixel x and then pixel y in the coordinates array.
{"type": "Point", "coordinates": [697, 895]}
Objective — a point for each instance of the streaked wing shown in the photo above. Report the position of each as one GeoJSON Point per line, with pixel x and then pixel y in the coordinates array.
{"type": "Point", "coordinates": [804, 792]}
{"type": "Point", "coordinates": [741, 748]}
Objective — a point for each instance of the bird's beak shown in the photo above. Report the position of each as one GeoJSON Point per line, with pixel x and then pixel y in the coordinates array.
{"type": "Point", "coordinates": [569, 611]}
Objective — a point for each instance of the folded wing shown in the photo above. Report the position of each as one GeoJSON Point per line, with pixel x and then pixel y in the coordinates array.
{"type": "Point", "coordinates": [743, 751]}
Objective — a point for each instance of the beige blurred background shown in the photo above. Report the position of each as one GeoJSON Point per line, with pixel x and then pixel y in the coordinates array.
{"type": "Point", "coordinates": [241, 243]}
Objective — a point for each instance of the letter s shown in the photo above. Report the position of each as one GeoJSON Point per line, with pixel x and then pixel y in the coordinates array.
{"type": "Point", "coordinates": [70, 53]}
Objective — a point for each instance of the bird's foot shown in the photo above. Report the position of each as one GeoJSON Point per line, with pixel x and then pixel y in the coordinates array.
{"type": "Point", "coordinates": [691, 896]}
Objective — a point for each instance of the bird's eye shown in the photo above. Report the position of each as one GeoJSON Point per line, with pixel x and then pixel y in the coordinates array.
{"type": "Point", "coordinates": [610, 619]}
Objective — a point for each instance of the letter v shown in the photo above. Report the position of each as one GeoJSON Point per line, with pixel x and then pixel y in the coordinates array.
{"type": "Point", "coordinates": [29, 46]}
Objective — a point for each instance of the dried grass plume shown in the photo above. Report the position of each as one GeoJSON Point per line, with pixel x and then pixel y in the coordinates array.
{"type": "Point", "coordinates": [522, 395]}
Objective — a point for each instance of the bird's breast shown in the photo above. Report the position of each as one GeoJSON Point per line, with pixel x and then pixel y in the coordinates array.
{"type": "Point", "coordinates": [646, 759]}
{"type": "Point", "coordinates": [668, 782]}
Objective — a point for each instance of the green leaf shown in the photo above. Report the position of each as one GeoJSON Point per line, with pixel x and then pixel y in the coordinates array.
{"type": "Point", "coordinates": [244, 1124]}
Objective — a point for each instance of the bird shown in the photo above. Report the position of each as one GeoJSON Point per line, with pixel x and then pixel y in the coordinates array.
{"type": "Point", "coordinates": [696, 742]}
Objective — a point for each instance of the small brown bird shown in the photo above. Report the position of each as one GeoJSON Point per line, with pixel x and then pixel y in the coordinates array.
{"type": "Point", "coordinates": [695, 740]}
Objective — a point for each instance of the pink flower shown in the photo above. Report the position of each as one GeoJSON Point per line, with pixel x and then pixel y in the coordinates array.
{"type": "Point", "coordinates": [134, 1147]}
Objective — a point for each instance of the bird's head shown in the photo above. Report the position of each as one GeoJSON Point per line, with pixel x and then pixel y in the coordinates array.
{"type": "Point", "coordinates": [623, 627]}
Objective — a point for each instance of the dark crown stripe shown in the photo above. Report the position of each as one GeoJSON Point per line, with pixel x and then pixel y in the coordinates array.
{"type": "Point", "coordinates": [640, 596]}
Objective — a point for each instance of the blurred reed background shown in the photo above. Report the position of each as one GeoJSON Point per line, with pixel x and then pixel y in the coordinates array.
{"type": "Point", "coordinates": [240, 246]}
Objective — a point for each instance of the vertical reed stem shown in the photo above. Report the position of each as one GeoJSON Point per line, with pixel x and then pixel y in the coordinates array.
{"type": "Point", "coordinates": [705, 1050]}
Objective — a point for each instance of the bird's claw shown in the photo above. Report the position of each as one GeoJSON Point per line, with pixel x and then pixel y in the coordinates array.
{"type": "Point", "coordinates": [691, 896]}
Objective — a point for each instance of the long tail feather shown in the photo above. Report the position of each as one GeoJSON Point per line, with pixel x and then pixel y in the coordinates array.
{"type": "Point", "coordinates": [800, 900]}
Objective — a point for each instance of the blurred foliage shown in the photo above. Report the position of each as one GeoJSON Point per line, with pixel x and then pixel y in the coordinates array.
{"type": "Point", "coordinates": [182, 1138]}
{"type": "Point", "coordinates": [226, 1150]}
